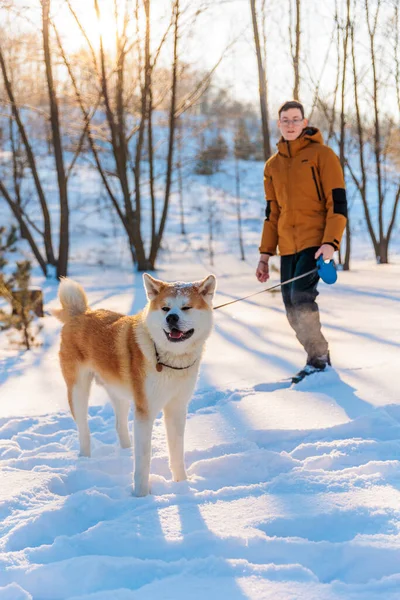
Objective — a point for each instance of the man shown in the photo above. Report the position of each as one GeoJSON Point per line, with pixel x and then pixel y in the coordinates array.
{"type": "Point", "coordinates": [305, 217]}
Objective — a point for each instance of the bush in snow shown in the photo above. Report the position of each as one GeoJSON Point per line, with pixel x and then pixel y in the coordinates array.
{"type": "Point", "coordinates": [24, 302]}
{"type": "Point", "coordinates": [210, 155]}
{"type": "Point", "coordinates": [7, 244]}
{"type": "Point", "coordinates": [244, 148]}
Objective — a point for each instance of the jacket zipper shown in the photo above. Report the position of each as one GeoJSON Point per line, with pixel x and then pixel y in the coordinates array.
{"type": "Point", "coordinates": [316, 184]}
{"type": "Point", "coordinates": [294, 229]}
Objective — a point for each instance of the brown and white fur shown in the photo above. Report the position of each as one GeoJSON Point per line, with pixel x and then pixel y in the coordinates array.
{"type": "Point", "coordinates": [120, 352]}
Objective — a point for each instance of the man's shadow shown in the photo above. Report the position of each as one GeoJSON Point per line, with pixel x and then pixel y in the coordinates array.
{"type": "Point", "coordinates": [344, 394]}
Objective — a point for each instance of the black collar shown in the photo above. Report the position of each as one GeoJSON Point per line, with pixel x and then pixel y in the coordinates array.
{"type": "Point", "coordinates": [160, 365]}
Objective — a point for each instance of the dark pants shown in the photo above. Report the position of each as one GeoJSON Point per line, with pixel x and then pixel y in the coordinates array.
{"type": "Point", "coordinates": [299, 299]}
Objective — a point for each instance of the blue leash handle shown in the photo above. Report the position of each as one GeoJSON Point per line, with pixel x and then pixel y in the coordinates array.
{"type": "Point", "coordinates": [326, 270]}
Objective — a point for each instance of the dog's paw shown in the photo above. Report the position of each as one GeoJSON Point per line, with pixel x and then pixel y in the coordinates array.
{"type": "Point", "coordinates": [125, 445]}
{"type": "Point", "coordinates": [84, 454]}
{"type": "Point", "coordinates": [125, 440]}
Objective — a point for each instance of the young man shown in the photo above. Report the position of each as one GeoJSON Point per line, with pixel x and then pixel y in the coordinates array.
{"type": "Point", "coordinates": [305, 217]}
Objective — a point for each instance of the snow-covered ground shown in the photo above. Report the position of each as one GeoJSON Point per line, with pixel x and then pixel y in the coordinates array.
{"type": "Point", "coordinates": [294, 492]}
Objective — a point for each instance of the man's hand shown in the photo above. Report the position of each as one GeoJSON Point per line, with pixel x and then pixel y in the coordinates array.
{"type": "Point", "coordinates": [262, 272]}
{"type": "Point", "coordinates": [327, 252]}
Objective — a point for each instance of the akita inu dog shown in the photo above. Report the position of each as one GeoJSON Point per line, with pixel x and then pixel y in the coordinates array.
{"type": "Point", "coordinates": [152, 358]}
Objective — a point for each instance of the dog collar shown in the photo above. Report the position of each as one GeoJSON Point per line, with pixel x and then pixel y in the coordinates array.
{"type": "Point", "coordinates": [160, 365]}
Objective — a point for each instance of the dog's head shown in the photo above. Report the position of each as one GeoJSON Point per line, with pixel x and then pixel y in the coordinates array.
{"type": "Point", "coordinates": [179, 315]}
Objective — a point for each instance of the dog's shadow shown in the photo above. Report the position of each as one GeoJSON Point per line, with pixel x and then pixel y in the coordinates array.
{"type": "Point", "coordinates": [194, 525]}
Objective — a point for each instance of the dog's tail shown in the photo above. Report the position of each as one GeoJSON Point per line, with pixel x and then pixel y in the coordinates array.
{"type": "Point", "coordinates": [73, 300]}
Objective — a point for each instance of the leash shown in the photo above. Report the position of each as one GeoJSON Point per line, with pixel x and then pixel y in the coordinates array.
{"type": "Point", "coordinates": [274, 287]}
{"type": "Point", "coordinates": [325, 269]}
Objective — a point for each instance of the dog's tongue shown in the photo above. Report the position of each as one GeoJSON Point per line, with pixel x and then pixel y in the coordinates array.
{"type": "Point", "coordinates": [176, 334]}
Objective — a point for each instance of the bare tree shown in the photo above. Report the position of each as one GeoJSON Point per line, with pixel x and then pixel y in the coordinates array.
{"type": "Point", "coordinates": [49, 257]}
{"type": "Point", "coordinates": [29, 229]}
{"type": "Point", "coordinates": [295, 37]}
{"type": "Point", "coordinates": [335, 93]}
{"type": "Point", "coordinates": [129, 114]}
{"type": "Point", "coordinates": [156, 240]}
{"type": "Point", "coordinates": [396, 52]}
{"type": "Point", "coordinates": [18, 160]}
{"type": "Point", "coordinates": [211, 208]}
{"type": "Point", "coordinates": [366, 139]}
{"type": "Point", "coordinates": [328, 105]}
{"type": "Point", "coordinates": [179, 168]}
{"type": "Point", "coordinates": [342, 138]}
{"type": "Point", "coordinates": [262, 80]}
{"type": "Point", "coordinates": [62, 263]}
{"type": "Point", "coordinates": [239, 209]}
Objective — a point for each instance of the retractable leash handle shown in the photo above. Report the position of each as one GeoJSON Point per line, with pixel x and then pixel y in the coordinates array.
{"type": "Point", "coordinates": [326, 270]}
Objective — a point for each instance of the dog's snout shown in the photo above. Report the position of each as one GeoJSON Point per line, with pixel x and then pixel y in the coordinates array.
{"type": "Point", "coordinates": [172, 319]}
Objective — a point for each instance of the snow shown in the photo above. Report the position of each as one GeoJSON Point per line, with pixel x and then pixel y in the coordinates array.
{"type": "Point", "coordinates": [293, 492]}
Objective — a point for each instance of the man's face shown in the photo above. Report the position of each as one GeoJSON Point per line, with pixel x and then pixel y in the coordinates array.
{"type": "Point", "coordinates": [291, 124]}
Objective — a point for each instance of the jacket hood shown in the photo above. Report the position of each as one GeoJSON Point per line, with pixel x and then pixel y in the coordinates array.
{"type": "Point", "coordinates": [310, 135]}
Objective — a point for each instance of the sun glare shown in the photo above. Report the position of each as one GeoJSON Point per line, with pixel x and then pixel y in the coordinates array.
{"type": "Point", "coordinates": [104, 27]}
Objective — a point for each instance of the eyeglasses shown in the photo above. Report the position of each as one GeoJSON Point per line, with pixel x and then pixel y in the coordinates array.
{"type": "Point", "coordinates": [295, 122]}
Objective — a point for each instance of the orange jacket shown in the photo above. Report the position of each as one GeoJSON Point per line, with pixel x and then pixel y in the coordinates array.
{"type": "Point", "coordinates": [305, 194]}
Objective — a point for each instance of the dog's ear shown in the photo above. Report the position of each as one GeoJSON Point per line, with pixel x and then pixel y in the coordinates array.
{"type": "Point", "coordinates": [207, 288]}
{"type": "Point", "coordinates": [152, 286]}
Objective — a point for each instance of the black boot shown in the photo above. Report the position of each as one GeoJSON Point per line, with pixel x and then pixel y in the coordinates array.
{"type": "Point", "coordinates": [315, 364]}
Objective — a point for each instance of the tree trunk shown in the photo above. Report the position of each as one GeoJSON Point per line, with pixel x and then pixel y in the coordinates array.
{"type": "Point", "coordinates": [180, 179]}
{"type": "Point", "coordinates": [136, 216]}
{"type": "Point", "coordinates": [361, 185]}
{"type": "Point", "coordinates": [172, 126]}
{"type": "Point", "coordinates": [377, 132]}
{"type": "Point", "coordinates": [346, 265]}
{"type": "Point", "coordinates": [383, 252]}
{"type": "Point", "coordinates": [210, 223]}
{"type": "Point", "coordinates": [332, 119]}
{"type": "Point", "coordinates": [238, 209]}
{"type": "Point", "coordinates": [62, 265]}
{"type": "Point", "coordinates": [296, 56]}
{"type": "Point", "coordinates": [295, 46]}
{"type": "Point", "coordinates": [149, 94]}
{"type": "Point", "coordinates": [262, 84]}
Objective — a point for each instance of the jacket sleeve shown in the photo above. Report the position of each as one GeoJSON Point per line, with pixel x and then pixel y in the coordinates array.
{"type": "Point", "coordinates": [333, 185]}
{"type": "Point", "coordinates": [269, 238]}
